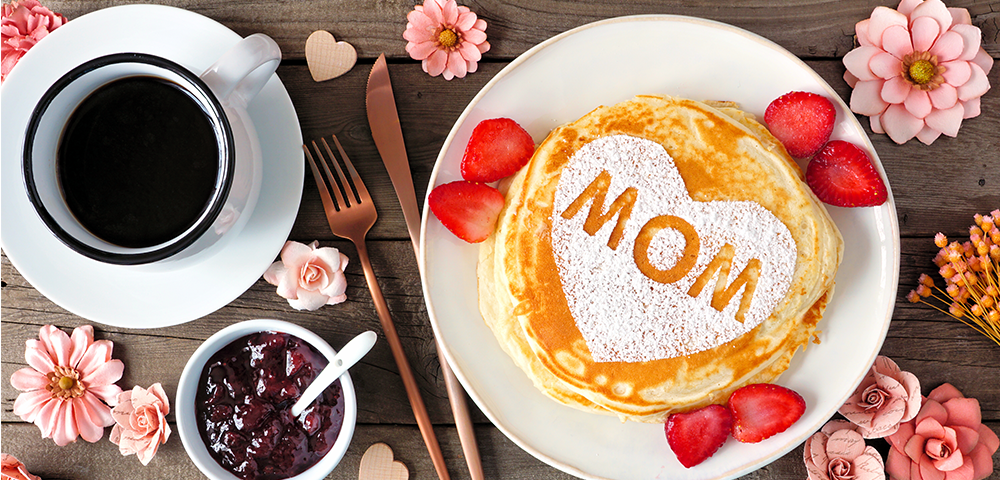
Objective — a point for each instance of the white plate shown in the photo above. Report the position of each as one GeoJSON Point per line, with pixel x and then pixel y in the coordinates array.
{"type": "Point", "coordinates": [603, 63]}
{"type": "Point", "coordinates": [137, 297]}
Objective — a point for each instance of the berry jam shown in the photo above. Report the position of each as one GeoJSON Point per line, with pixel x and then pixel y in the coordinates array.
{"type": "Point", "coordinates": [244, 402]}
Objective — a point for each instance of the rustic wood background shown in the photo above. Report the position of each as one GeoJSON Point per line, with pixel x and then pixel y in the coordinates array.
{"type": "Point", "coordinates": [936, 188]}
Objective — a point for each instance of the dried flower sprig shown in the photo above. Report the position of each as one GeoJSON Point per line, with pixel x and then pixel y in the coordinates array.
{"type": "Point", "coordinates": [971, 271]}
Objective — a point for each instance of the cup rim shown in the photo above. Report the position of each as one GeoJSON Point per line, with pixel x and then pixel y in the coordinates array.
{"type": "Point", "coordinates": [208, 214]}
{"type": "Point", "coordinates": [184, 411]}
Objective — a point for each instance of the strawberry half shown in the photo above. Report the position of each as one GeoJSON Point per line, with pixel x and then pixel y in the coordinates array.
{"type": "Point", "coordinates": [761, 410]}
{"type": "Point", "coordinates": [841, 174]}
{"type": "Point", "coordinates": [469, 210]}
{"type": "Point", "coordinates": [802, 121]}
{"type": "Point", "coordinates": [498, 148]}
{"type": "Point", "coordinates": [694, 436]}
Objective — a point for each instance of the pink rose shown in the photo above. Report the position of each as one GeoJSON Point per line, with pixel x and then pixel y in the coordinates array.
{"type": "Point", "coordinates": [140, 421]}
{"type": "Point", "coordinates": [309, 277]}
{"type": "Point", "coordinates": [886, 397]}
{"type": "Point", "coordinates": [838, 452]}
{"type": "Point", "coordinates": [11, 468]}
{"type": "Point", "coordinates": [945, 441]}
{"type": "Point", "coordinates": [24, 23]}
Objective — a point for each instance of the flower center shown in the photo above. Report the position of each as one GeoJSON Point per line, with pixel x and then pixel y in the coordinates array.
{"type": "Point", "coordinates": [839, 469]}
{"type": "Point", "coordinates": [873, 397]}
{"type": "Point", "coordinates": [64, 382]}
{"type": "Point", "coordinates": [447, 38]}
{"type": "Point", "coordinates": [921, 69]}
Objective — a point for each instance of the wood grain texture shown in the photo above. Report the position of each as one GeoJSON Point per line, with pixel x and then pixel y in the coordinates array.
{"type": "Point", "coordinates": [936, 188]}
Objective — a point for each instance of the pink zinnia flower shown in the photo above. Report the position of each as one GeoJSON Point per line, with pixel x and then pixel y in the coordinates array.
{"type": "Point", "coordinates": [65, 385]}
{"type": "Point", "coordinates": [24, 24]}
{"type": "Point", "coordinates": [945, 441]}
{"type": "Point", "coordinates": [919, 71]}
{"type": "Point", "coordinates": [447, 38]}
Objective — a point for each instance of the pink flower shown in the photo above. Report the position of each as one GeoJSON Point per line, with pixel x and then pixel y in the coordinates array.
{"type": "Point", "coordinates": [919, 70]}
{"type": "Point", "coordinates": [12, 469]}
{"type": "Point", "coordinates": [447, 38]}
{"type": "Point", "coordinates": [838, 452]}
{"type": "Point", "coordinates": [67, 381]}
{"type": "Point", "coordinates": [309, 277]}
{"type": "Point", "coordinates": [24, 23]}
{"type": "Point", "coordinates": [140, 421]}
{"type": "Point", "coordinates": [945, 441]}
{"type": "Point", "coordinates": [886, 397]}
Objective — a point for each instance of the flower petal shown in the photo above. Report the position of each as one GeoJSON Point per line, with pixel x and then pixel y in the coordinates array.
{"type": "Point", "coordinates": [64, 429]}
{"type": "Point", "coordinates": [885, 65]}
{"type": "Point", "coordinates": [98, 354]}
{"type": "Point", "coordinates": [465, 21]}
{"type": "Point", "coordinates": [959, 16]}
{"type": "Point", "coordinates": [948, 47]}
{"type": "Point", "coordinates": [906, 6]}
{"type": "Point", "coordinates": [977, 85]}
{"type": "Point", "coordinates": [107, 393]}
{"type": "Point", "coordinates": [972, 39]}
{"type": "Point", "coordinates": [948, 122]}
{"type": "Point", "coordinates": [895, 90]}
{"type": "Point", "coordinates": [897, 466]}
{"type": "Point", "coordinates": [984, 60]}
{"type": "Point", "coordinates": [474, 36]}
{"type": "Point", "coordinates": [935, 9]}
{"type": "Point", "coordinates": [308, 300]}
{"type": "Point", "coordinates": [436, 63]}
{"type": "Point", "coordinates": [433, 11]}
{"type": "Point", "coordinates": [106, 374]}
{"type": "Point", "coordinates": [868, 466]}
{"type": "Point", "coordinates": [966, 438]}
{"type": "Point", "coordinates": [963, 411]}
{"type": "Point", "coordinates": [28, 404]}
{"type": "Point", "coordinates": [90, 431]}
{"type": "Point", "coordinates": [861, 29]}
{"type": "Point", "coordinates": [59, 345]}
{"type": "Point", "coordinates": [896, 40]}
{"type": "Point", "coordinates": [899, 124]}
{"type": "Point", "coordinates": [858, 62]}
{"type": "Point", "coordinates": [927, 135]}
{"type": "Point", "coordinates": [881, 20]}
{"type": "Point", "coordinates": [924, 31]}
{"type": "Point", "coordinates": [28, 379]}
{"type": "Point", "coordinates": [81, 339]}
{"type": "Point", "coordinates": [294, 254]}
{"type": "Point", "coordinates": [38, 357]}
{"type": "Point", "coordinates": [866, 99]}
{"type": "Point", "coordinates": [927, 470]}
{"type": "Point", "coordinates": [876, 123]}
{"type": "Point", "coordinates": [274, 273]}
{"type": "Point", "coordinates": [449, 12]}
{"type": "Point", "coordinates": [918, 103]}
{"type": "Point", "coordinates": [944, 392]}
{"type": "Point", "coordinates": [971, 108]}
{"type": "Point", "coordinates": [956, 73]}
{"type": "Point", "coordinates": [847, 444]}
{"type": "Point", "coordinates": [420, 23]}
{"type": "Point", "coordinates": [98, 413]}
{"type": "Point", "coordinates": [470, 52]}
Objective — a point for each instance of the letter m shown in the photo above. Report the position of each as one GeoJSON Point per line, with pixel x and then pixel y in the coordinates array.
{"type": "Point", "coordinates": [722, 295]}
{"type": "Point", "coordinates": [596, 192]}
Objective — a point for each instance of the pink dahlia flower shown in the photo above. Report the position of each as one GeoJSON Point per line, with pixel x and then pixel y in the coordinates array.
{"type": "Point", "coordinates": [24, 23]}
{"type": "Point", "coordinates": [309, 277]}
{"type": "Point", "coordinates": [69, 385]}
{"type": "Point", "coordinates": [141, 421]}
{"type": "Point", "coordinates": [447, 38]}
{"type": "Point", "coordinates": [945, 441]}
{"type": "Point", "coordinates": [919, 70]}
{"type": "Point", "coordinates": [886, 397]}
{"type": "Point", "coordinates": [838, 452]}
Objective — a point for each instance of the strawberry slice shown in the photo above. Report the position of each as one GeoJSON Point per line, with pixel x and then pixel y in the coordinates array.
{"type": "Point", "coordinates": [841, 174]}
{"type": "Point", "coordinates": [802, 121]}
{"type": "Point", "coordinates": [469, 210]}
{"type": "Point", "coordinates": [761, 410]}
{"type": "Point", "coordinates": [694, 436]}
{"type": "Point", "coordinates": [498, 148]}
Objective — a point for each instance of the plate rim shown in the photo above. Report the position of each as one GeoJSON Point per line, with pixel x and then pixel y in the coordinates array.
{"type": "Point", "coordinates": [890, 220]}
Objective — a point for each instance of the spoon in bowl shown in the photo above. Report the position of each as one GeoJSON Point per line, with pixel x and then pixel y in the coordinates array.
{"type": "Point", "coordinates": [346, 358]}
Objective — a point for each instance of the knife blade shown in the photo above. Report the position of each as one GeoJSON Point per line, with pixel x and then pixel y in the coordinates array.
{"type": "Point", "coordinates": [384, 122]}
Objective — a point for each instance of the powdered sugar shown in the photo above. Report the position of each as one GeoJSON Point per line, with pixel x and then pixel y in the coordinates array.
{"type": "Point", "coordinates": [623, 314]}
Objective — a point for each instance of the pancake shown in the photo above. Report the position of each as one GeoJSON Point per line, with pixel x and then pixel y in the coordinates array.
{"type": "Point", "coordinates": [654, 256]}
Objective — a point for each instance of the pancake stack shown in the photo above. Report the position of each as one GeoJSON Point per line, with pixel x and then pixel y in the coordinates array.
{"type": "Point", "coordinates": [656, 255]}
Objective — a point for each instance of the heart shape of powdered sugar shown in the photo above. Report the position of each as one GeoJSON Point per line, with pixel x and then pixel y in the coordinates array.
{"type": "Point", "coordinates": [624, 314]}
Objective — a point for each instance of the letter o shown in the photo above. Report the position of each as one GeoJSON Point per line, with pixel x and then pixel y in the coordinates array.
{"type": "Point", "coordinates": [641, 250]}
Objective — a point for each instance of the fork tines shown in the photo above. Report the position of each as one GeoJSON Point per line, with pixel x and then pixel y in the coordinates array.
{"type": "Point", "coordinates": [354, 191]}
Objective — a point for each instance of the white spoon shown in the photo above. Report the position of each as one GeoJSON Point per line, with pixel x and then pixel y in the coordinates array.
{"type": "Point", "coordinates": [345, 358]}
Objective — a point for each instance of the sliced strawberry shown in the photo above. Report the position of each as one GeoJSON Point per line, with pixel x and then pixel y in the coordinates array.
{"type": "Point", "coordinates": [469, 210]}
{"type": "Point", "coordinates": [842, 175]}
{"type": "Point", "coordinates": [498, 148]}
{"type": "Point", "coordinates": [802, 121]}
{"type": "Point", "coordinates": [761, 410]}
{"type": "Point", "coordinates": [694, 436]}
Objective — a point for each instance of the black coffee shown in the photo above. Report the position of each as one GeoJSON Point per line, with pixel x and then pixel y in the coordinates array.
{"type": "Point", "coordinates": [138, 161]}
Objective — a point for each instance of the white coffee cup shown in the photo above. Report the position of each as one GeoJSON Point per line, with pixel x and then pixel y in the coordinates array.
{"type": "Point", "coordinates": [223, 92]}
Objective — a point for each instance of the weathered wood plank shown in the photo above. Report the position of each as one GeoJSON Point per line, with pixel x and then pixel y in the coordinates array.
{"type": "Point", "coordinates": [807, 28]}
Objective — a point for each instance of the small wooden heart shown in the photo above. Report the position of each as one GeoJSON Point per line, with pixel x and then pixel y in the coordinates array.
{"type": "Point", "coordinates": [327, 58]}
{"type": "Point", "coordinates": [377, 464]}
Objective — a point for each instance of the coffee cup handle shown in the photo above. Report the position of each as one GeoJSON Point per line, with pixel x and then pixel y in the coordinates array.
{"type": "Point", "coordinates": [240, 74]}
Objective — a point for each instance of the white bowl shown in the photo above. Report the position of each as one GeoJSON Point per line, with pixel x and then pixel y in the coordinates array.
{"type": "Point", "coordinates": [184, 403]}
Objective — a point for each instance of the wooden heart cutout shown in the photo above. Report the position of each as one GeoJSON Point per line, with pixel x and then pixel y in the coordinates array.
{"type": "Point", "coordinates": [377, 464]}
{"type": "Point", "coordinates": [640, 260]}
{"type": "Point", "coordinates": [327, 58]}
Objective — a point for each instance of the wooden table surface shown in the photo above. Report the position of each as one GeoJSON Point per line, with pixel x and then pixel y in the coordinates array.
{"type": "Point", "coordinates": [936, 188]}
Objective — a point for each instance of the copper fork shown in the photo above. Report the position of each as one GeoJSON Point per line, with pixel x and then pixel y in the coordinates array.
{"type": "Point", "coordinates": [350, 216]}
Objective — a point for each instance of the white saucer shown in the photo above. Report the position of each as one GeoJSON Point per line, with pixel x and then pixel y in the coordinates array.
{"type": "Point", "coordinates": [128, 296]}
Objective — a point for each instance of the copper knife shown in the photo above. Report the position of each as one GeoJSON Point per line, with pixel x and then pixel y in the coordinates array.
{"type": "Point", "coordinates": [388, 136]}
